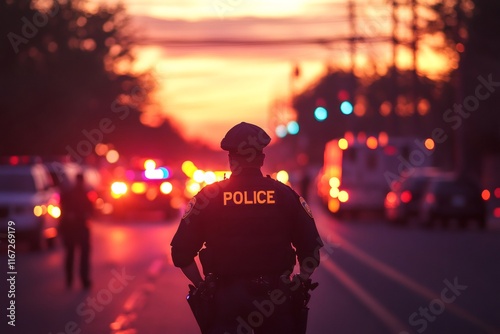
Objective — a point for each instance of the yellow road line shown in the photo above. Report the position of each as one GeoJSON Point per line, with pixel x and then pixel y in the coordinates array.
{"type": "Point", "coordinates": [391, 321]}
{"type": "Point", "coordinates": [409, 283]}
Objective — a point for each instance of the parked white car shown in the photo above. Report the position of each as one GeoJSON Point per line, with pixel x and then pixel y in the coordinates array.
{"type": "Point", "coordinates": [29, 199]}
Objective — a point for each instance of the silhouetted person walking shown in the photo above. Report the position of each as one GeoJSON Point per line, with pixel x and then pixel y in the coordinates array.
{"type": "Point", "coordinates": [76, 209]}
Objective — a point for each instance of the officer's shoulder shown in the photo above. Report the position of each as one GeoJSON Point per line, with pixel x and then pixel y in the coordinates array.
{"type": "Point", "coordinates": [211, 188]}
{"type": "Point", "coordinates": [280, 185]}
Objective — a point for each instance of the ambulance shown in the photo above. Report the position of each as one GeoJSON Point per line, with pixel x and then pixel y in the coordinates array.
{"type": "Point", "coordinates": [359, 170]}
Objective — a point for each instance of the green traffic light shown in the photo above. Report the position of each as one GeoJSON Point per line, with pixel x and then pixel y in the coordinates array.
{"type": "Point", "coordinates": [320, 114]}
{"type": "Point", "coordinates": [293, 127]}
{"type": "Point", "coordinates": [346, 108]}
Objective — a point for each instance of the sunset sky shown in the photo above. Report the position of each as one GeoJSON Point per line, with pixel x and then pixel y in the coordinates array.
{"type": "Point", "coordinates": [205, 89]}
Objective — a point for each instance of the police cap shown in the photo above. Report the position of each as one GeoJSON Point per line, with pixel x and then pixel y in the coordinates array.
{"type": "Point", "coordinates": [244, 136]}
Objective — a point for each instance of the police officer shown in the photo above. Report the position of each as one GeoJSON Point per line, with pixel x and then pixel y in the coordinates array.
{"type": "Point", "coordinates": [248, 230]}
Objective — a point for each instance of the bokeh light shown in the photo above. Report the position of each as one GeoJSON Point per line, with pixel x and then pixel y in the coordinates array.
{"type": "Point", "coordinates": [320, 114]}
{"type": "Point", "coordinates": [293, 127]}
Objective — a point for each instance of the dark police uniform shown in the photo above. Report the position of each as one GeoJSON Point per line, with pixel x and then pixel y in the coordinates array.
{"type": "Point", "coordinates": [250, 230]}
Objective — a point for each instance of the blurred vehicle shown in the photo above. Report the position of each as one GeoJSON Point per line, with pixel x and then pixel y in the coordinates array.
{"type": "Point", "coordinates": [151, 189]}
{"type": "Point", "coordinates": [491, 181]}
{"type": "Point", "coordinates": [63, 175]}
{"type": "Point", "coordinates": [357, 172]}
{"type": "Point", "coordinates": [450, 198]}
{"type": "Point", "coordinates": [29, 199]}
{"type": "Point", "coordinates": [402, 203]}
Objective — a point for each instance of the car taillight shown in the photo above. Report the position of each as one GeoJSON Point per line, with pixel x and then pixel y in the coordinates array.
{"type": "Point", "coordinates": [14, 160]}
{"type": "Point", "coordinates": [50, 233]}
{"type": "Point", "coordinates": [391, 200]}
{"type": "Point", "coordinates": [406, 196]}
{"type": "Point", "coordinates": [485, 194]}
{"type": "Point", "coordinates": [430, 198]}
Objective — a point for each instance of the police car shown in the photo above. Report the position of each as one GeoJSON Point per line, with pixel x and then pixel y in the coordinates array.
{"type": "Point", "coordinates": [28, 198]}
{"type": "Point", "coordinates": [152, 188]}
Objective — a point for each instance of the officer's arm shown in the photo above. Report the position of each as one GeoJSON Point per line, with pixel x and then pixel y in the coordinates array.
{"type": "Point", "coordinates": [192, 273]}
{"type": "Point", "coordinates": [186, 244]}
{"type": "Point", "coordinates": [308, 264]}
{"type": "Point", "coordinates": [306, 240]}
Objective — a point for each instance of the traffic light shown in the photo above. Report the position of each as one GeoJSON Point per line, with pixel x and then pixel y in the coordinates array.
{"type": "Point", "coordinates": [346, 106]}
{"type": "Point", "coordinates": [320, 113]}
{"type": "Point", "coordinates": [293, 127]}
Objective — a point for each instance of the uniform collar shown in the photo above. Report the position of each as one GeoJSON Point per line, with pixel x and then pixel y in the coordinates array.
{"type": "Point", "coordinates": [246, 172]}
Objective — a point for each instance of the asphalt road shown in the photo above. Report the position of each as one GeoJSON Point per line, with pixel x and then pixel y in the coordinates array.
{"type": "Point", "coordinates": [374, 278]}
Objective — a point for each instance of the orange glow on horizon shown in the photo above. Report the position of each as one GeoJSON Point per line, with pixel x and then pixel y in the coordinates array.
{"type": "Point", "coordinates": [200, 88]}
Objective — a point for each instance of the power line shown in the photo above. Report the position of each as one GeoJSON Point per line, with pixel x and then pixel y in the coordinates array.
{"type": "Point", "coordinates": [260, 42]}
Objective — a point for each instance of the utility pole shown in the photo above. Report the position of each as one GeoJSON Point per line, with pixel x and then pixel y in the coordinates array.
{"type": "Point", "coordinates": [414, 74]}
{"type": "Point", "coordinates": [394, 71]}
{"type": "Point", "coordinates": [414, 30]}
{"type": "Point", "coordinates": [395, 41]}
{"type": "Point", "coordinates": [353, 38]}
{"type": "Point", "coordinates": [463, 165]}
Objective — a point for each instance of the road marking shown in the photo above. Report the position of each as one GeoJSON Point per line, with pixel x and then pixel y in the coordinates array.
{"type": "Point", "coordinates": [389, 319]}
{"type": "Point", "coordinates": [124, 322]}
{"type": "Point", "coordinates": [155, 268]}
{"type": "Point", "coordinates": [411, 284]}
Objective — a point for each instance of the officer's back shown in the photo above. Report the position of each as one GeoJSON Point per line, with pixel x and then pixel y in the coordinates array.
{"type": "Point", "coordinates": [252, 230]}
{"type": "Point", "coordinates": [247, 226]}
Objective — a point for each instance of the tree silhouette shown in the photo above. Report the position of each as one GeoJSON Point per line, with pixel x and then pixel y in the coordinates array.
{"type": "Point", "coordinates": [66, 80]}
{"type": "Point", "coordinates": [471, 31]}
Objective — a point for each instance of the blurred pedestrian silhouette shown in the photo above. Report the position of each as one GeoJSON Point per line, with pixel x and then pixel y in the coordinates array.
{"type": "Point", "coordinates": [76, 209]}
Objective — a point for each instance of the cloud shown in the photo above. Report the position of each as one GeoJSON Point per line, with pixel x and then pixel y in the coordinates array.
{"type": "Point", "coordinates": [207, 83]}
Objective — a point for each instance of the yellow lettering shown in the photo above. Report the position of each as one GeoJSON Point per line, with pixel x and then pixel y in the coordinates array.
{"type": "Point", "coordinates": [238, 200]}
{"type": "Point", "coordinates": [270, 197]}
{"type": "Point", "coordinates": [246, 199]}
{"type": "Point", "coordinates": [260, 199]}
{"type": "Point", "coordinates": [227, 196]}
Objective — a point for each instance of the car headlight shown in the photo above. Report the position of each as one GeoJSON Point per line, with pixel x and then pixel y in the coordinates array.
{"type": "Point", "coordinates": [118, 189]}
